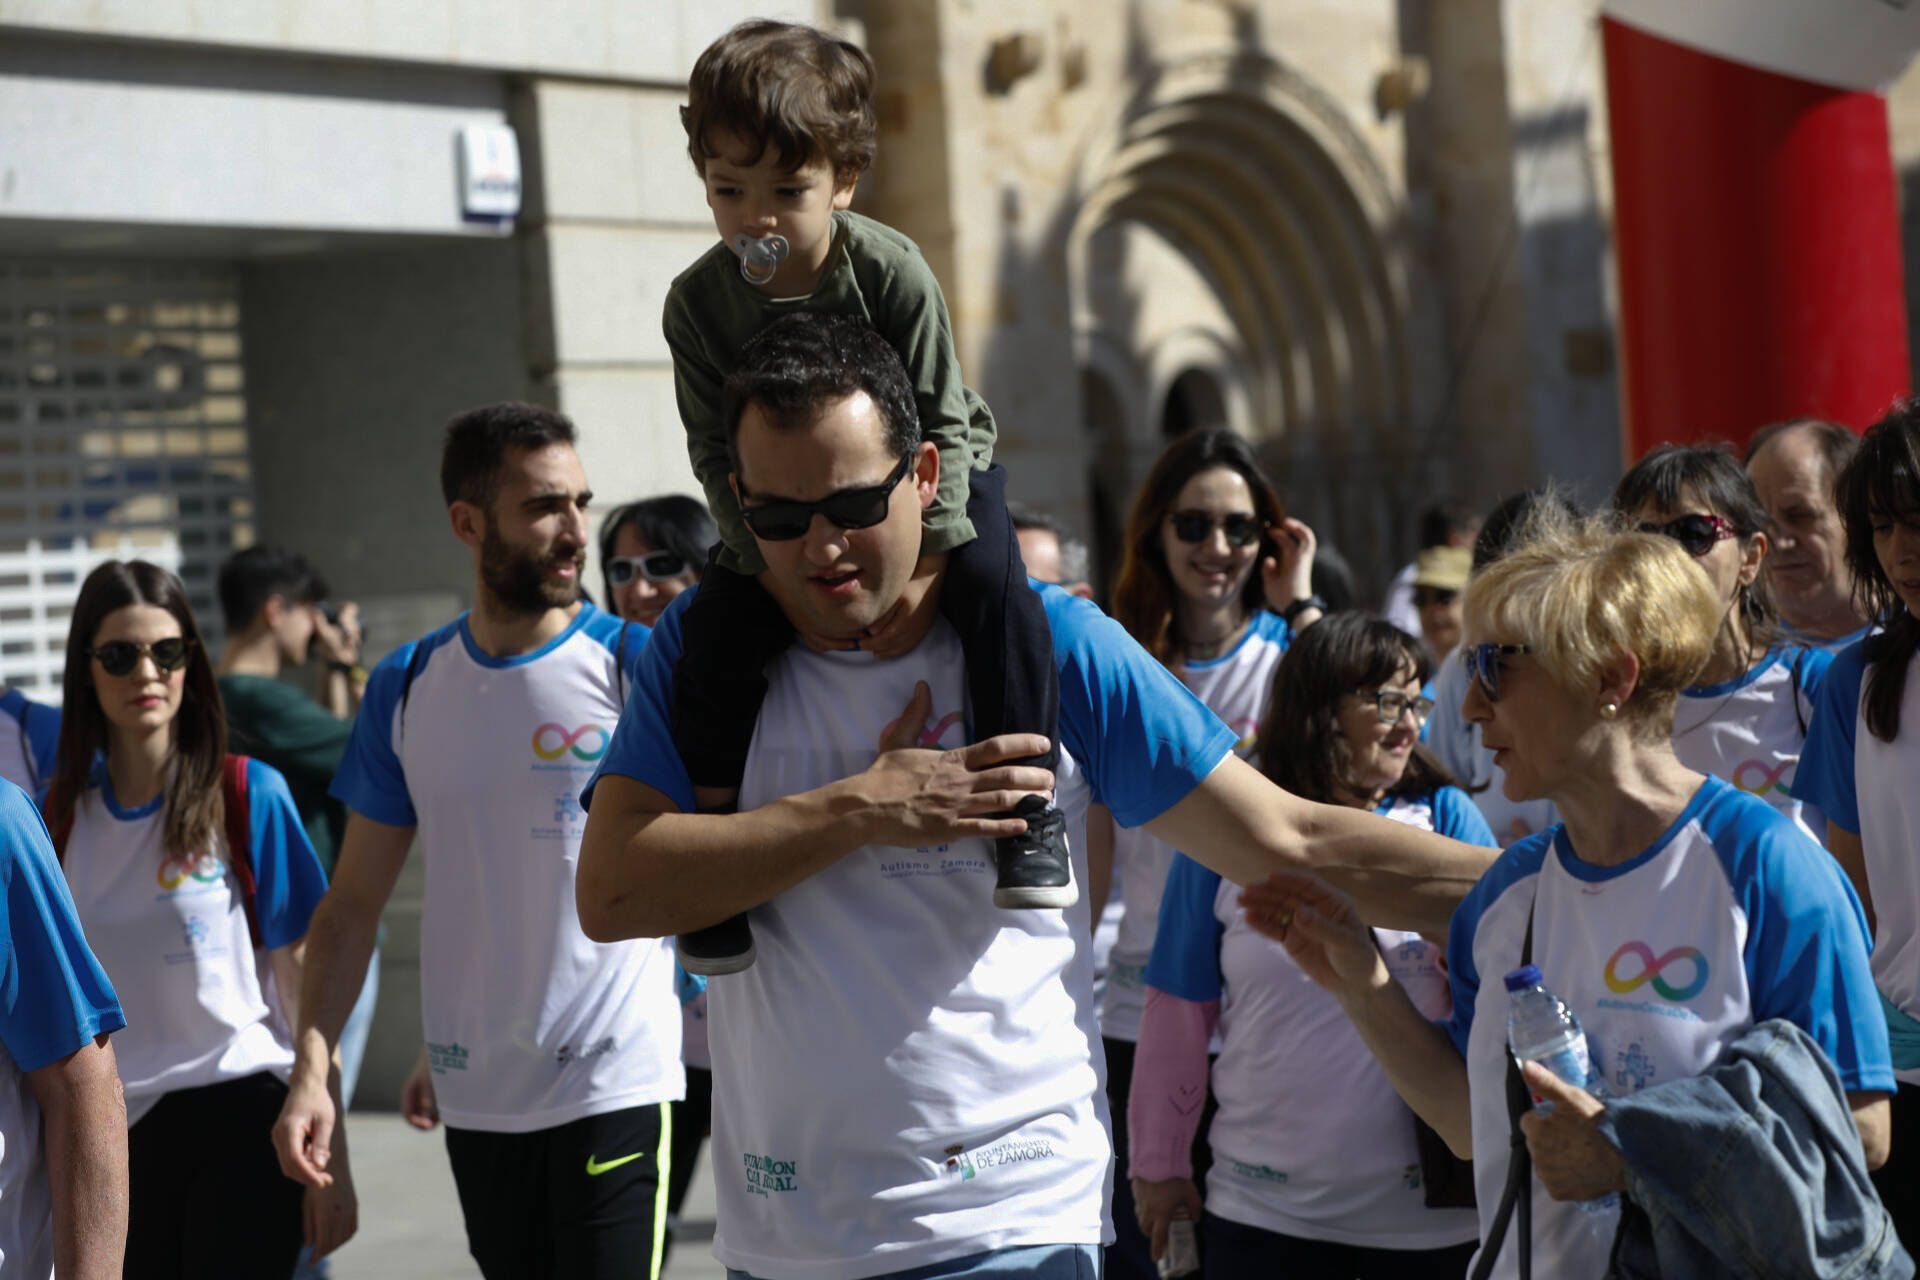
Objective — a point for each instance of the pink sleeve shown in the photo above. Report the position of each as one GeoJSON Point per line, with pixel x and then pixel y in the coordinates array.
{"type": "Point", "coordinates": [1169, 1084]}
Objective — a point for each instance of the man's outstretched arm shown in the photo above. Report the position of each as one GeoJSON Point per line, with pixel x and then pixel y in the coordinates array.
{"type": "Point", "coordinates": [1243, 826]}
{"type": "Point", "coordinates": [86, 1151]}
{"type": "Point", "coordinates": [648, 870]}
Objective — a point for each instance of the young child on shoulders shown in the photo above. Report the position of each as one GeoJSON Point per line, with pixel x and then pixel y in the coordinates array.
{"type": "Point", "coordinates": [780, 126]}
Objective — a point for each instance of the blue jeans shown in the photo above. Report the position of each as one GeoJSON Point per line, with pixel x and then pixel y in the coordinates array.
{"type": "Point", "coordinates": [1029, 1262]}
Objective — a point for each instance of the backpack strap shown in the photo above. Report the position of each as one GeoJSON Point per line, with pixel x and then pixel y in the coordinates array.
{"type": "Point", "coordinates": [239, 828]}
{"type": "Point", "coordinates": [620, 663]}
{"type": "Point", "coordinates": [1793, 673]}
{"type": "Point", "coordinates": [416, 663]}
{"type": "Point", "coordinates": [1517, 1195]}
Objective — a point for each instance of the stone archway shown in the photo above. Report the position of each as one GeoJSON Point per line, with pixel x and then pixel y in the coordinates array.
{"type": "Point", "coordinates": [1231, 205]}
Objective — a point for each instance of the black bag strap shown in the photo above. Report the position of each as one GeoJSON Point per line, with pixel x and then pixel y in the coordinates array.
{"type": "Point", "coordinates": [1799, 713]}
{"type": "Point", "coordinates": [1517, 1195]}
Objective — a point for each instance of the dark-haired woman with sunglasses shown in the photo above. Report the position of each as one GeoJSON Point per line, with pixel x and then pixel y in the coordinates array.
{"type": "Point", "coordinates": [651, 551]}
{"type": "Point", "coordinates": [1862, 764]}
{"type": "Point", "coordinates": [1745, 716]}
{"type": "Point", "coordinates": [203, 940]}
{"type": "Point", "coordinates": [1210, 555]}
{"type": "Point", "coordinates": [1311, 1146]}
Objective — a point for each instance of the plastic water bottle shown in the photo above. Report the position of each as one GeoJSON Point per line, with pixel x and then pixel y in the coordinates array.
{"type": "Point", "coordinates": [1182, 1255]}
{"type": "Point", "coordinates": [1542, 1028]}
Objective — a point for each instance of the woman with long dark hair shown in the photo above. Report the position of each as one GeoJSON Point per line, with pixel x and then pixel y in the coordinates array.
{"type": "Point", "coordinates": [1311, 1146]}
{"type": "Point", "coordinates": [1745, 716]}
{"type": "Point", "coordinates": [1210, 555]}
{"type": "Point", "coordinates": [194, 877]}
{"type": "Point", "coordinates": [1862, 762]}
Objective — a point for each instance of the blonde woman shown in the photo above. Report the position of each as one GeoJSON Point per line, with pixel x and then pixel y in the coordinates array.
{"type": "Point", "coordinates": [1671, 910]}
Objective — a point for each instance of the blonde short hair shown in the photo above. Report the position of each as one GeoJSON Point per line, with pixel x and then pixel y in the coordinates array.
{"type": "Point", "coordinates": [1580, 591]}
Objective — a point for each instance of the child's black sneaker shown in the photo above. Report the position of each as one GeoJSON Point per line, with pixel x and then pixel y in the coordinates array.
{"type": "Point", "coordinates": [1033, 869]}
{"type": "Point", "coordinates": [718, 949]}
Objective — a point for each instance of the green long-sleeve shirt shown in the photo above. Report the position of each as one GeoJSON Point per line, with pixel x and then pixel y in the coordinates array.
{"type": "Point", "coordinates": [275, 722]}
{"type": "Point", "coordinates": [873, 272]}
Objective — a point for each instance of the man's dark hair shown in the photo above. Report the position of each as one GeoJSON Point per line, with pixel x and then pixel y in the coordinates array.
{"type": "Point", "coordinates": [804, 360]}
{"type": "Point", "coordinates": [479, 440]}
{"type": "Point", "coordinates": [799, 91]}
{"type": "Point", "coordinates": [1837, 444]}
{"type": "Point", "coordinates": [1505, 521]}
{"type": "Point", "coordinates": [1439, 522]}
{"type": "Point", "coordinates": [256, 575]}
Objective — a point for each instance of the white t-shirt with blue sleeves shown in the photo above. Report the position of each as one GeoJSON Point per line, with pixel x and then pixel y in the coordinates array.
{"type": "Point", "coordinates": [29, 741]}
{"type": "Point", "coordinates": [54, 999]}
{"type": "Point", "coordinates": [1236, 686]}
{"type": "Point", "coordinates": [1310, 1139]}
{"type": "Point", "coordinates": [172, 931]}
{"type": "Point", "coordinates": [1872, 788]}
{"type": "Point", "coordinates": [1732, 917]}
{"type": "Point", "coordinates": [1751, 730]}
{"type": "Point", "coordinates": [529, 1023]}
{"type": "Point", "coordinates": [909, 1074]}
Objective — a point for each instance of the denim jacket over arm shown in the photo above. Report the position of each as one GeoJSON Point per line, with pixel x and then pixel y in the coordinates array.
{"type": "Point", "coordinates": [1751, 1169]}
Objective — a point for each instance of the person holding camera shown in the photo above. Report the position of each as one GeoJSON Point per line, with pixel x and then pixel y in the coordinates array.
{"type": "Point", "coordinates": [277, 614]}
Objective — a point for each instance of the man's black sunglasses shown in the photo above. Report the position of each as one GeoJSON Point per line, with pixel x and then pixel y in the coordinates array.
{"type": "Point", "coordinates": [782, 520]}
{"type": "Point", "coordinates": [1697, 533]}
{"type": "Point", "coordinates": [120, 657]}
{"type": "Point", "coordinates": [1242, 529]}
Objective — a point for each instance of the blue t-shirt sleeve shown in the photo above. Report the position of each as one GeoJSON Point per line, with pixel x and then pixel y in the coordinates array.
{"type": "Point", "coordinates": [642, 746]}
{"type": "Point", "coordinates": [54, 996]}
{"type": "Point", "coordinates": [370, 780]}
{"type": "Point", "coordinates": [1456, 815]}
{"type": "Point", "coordinates": [288, 881]}
{"type": "Point", "coordinates": [1806, 953]}
{"type": "Point", "coordinates": [1824, 777]}
{"type": "Point", "coordinates": [43, 738]}
{"type": "Point", "coordinates": [1186, 948]}
{"type": "Point", "coordinates": [1141, 736]}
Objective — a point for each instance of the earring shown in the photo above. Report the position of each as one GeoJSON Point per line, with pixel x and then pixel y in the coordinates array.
{"type": "Point", "coordinates": [1608, 710]}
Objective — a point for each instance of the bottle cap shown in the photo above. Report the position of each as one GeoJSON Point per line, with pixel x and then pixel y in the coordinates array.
{"type": "Point", "coordinates": [1527, 975]}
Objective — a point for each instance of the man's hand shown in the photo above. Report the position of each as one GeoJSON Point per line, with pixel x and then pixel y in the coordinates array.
{"type": "Point", "coordinates": [1572, 1158]}
{"type": "Point", "coordinates": [1287, 575]}
{"type": "Point", "coordinates": [303, 1135]}
{"type": "Point", "coordinates": [913, 796]}
{"type": "Point", "coordinates": [330, 1214]}
{"type": "Point", "coordinates": [338, 642]}
{"type": "Point", "coordinates": [418, 1102]}
{"type": "Point", "coordinates": [1156, 1204]}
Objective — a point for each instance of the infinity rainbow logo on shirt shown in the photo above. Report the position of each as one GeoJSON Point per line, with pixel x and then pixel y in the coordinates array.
{"type": "Point", "coordinates": [548, 735]}
{"type": "Point", "coordinates": [1651, 967]}
{"type": "Point", "coordinates": [1758, 777]}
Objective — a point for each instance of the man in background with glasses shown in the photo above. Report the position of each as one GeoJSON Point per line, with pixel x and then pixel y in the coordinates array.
{"type": "Point", "coordinates": [553, 1057]}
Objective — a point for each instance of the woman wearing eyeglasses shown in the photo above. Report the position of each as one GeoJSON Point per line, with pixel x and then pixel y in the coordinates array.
{"type": "Point", "coordinates": [1315, 1165]}
{"type": "Point", "coordinates": [203, 940]}
{"type": "Point", "coordinates": [1210, 555]}
{"type": "Point", "coordinates": [1670, 910]}
{"type": "Point", "coordinates": [651, 551]}
{"type": "Point", "coordinates": [1745, 715]}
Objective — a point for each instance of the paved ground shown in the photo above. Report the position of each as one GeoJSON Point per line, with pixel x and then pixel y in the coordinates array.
{"type": "Point", "coordinates": [410, 1218]}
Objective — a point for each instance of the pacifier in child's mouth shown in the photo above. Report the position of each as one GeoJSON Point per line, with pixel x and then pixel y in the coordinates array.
{"type": "Point", "coordinates": [760, 258]}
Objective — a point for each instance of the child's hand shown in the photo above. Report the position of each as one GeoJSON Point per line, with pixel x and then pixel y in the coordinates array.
{"type": "Point", "coordinates": [908, 620]}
